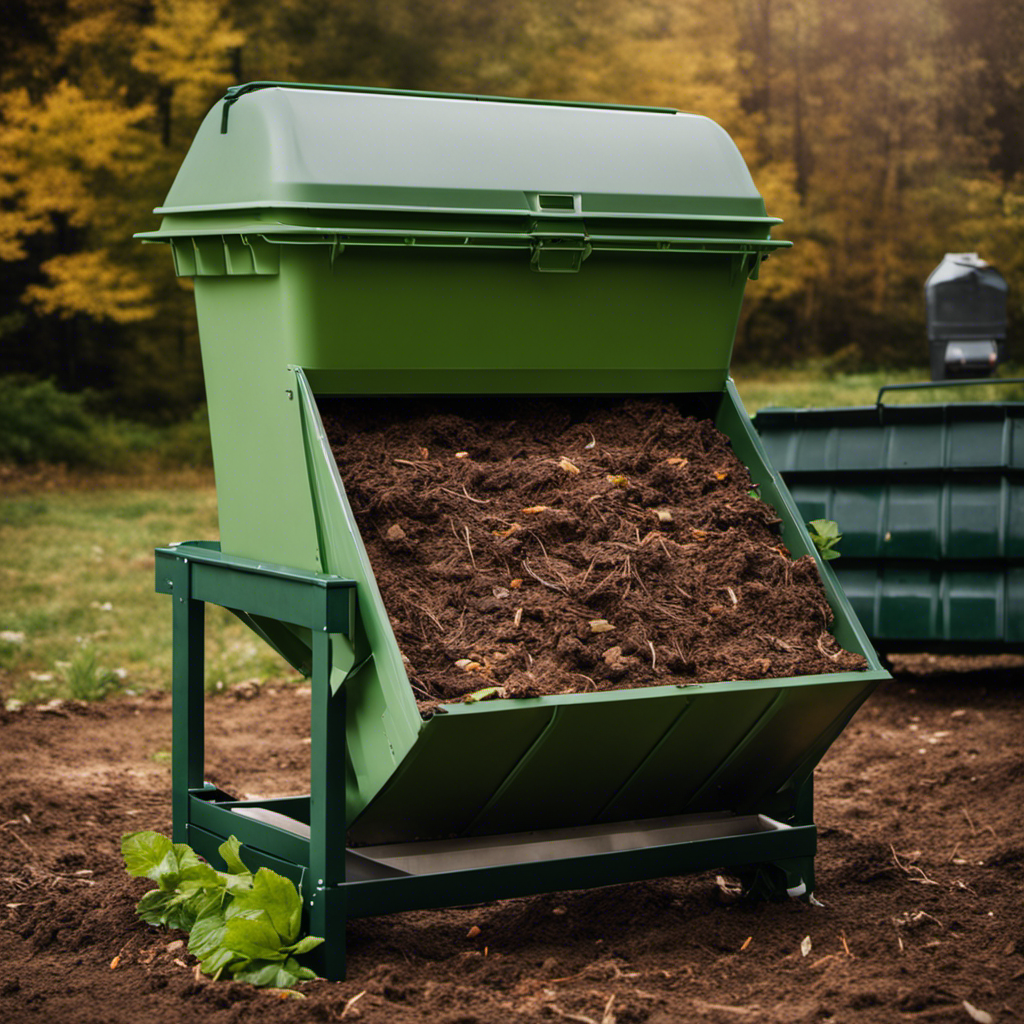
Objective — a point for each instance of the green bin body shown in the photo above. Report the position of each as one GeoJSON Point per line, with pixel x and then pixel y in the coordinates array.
{"type": "Point", "coordinates": [363, 242]}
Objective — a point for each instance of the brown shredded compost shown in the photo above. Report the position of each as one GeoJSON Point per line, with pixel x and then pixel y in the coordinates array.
{"type": "Point", "coordinates": [529, 546]}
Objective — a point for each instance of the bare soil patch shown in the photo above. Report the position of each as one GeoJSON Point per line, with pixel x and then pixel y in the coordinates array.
{"type": "Point", "coordinates": [571, 546]}
{"type": "Point", "coordinates": [920, 869]}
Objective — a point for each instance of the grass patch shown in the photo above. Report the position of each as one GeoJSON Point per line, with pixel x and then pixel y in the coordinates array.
{"type": "Point", "coordinates": [815, 385]}
{"type": "Point", "coordinates": [78, 613]}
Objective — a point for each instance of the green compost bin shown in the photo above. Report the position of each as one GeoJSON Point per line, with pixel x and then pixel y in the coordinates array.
{"type": "Point", "coordinates": [929, 499]}
{"type": "Point", "coordinates": [353, 242]}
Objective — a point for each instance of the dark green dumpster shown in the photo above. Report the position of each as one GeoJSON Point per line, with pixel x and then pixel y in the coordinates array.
{"type": "Point", "coordinates": [929, 499]}
{"type": "Point", "coordinates": [353, 242]}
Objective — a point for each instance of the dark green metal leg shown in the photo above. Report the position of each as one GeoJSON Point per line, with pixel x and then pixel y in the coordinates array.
{"type": "Point", "coordinates": [188, 694]}
{"type": "Point", "coordinates": [786, 878]}
{"type": "Point", "coordinates": [327, 823]}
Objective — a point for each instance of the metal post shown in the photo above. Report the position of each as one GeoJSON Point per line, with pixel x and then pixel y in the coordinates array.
{"type": "Point", "coordinates": [327, 824]}
{"type": "Point", "coordinates": [188, 693]}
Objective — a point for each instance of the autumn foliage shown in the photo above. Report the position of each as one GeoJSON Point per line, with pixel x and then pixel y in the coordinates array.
{"type": "Point", "coordinates": [884, 134]}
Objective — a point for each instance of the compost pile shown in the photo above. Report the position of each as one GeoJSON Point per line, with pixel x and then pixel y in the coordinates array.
{"type": "Point", "coordinates": [572, 546]}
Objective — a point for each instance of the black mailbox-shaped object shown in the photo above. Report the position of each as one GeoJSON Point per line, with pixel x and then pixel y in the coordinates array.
{"type": "Point", "coordinates": [965, 303]}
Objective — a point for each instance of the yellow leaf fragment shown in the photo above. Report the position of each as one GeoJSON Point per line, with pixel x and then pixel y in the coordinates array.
{"type": "Point", "coordinates": [600, 626]}
{"type": "Point", "coordinates": [515, 584]}
{"type": "Point", "coordinates": [487, 693]}
{"type": "Point", "coordinates": [663, 514]}
{"type": "Point", "coordinates": [617, 480]}
{"type": "Point", "coordinates": [462, 455]}
{"type": "Point", "coordinates": [722, 474]}
{"type": "Point", "coordinates": [700, 534]}
{"type": "Point", "coordinates": [565, 464]}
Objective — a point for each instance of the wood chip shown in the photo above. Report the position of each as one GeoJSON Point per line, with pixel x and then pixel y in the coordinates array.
{"type": "Point", "coordinates": [462, 455]}
{"type": "Point", "coordinates": [515, 584]}
{"type": "Point", "coordinates": [568, 467]}
{"type": "Point", "coordinates": [115, 962]}
{"type": "Point", "coordinates": [749, 940]}
{"type": "Point", "coordinates": [979, 1015]}
{"type": "Point", "coordinates": [600, 626]}
{"type": "Point", "coordinates": [536, 510]}
{"type": "Point", "coordinates": [473, 932]}
{"type": "Point", "coordinates": [805, 945]}
{"type": "Point", "coordinates": [506, 533]}
{"type": "Point", "coordinates": [677, 462]}
{"type": "Point", "coordinates": [663, 514]}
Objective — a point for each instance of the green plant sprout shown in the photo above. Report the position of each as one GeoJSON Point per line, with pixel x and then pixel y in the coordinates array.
{"type": "Point", "coordinates": [826, 536]}
{"type": "Point", "coordinates": [243, 923]}
{"type": "Point", "coordinates": [86, 680]}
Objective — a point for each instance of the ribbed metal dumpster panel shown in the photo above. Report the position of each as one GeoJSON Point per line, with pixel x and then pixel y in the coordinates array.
{"type": "Point", "coordinates": [554, 762]}
{"type": "Point", "coordinates": [930, 503]}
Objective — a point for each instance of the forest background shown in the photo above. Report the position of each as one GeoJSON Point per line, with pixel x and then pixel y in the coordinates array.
{"type": "Point", "coordinates": [885, 134]}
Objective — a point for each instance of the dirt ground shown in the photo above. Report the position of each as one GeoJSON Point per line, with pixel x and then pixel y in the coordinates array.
{"type": "Point", "coordinates": [920, 873]}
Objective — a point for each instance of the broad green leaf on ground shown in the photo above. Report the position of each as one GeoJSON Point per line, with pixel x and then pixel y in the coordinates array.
{"type": "Point", "coordinates": [247, 924]}
{"type": "Point", "coordinates": [230, 852]}
{"type": "Point", "coordinates": [252, 939]}
{"type": "Point", "coordinates": [272, 974]}
{"type": "Point", "coordinates": [277, 897]}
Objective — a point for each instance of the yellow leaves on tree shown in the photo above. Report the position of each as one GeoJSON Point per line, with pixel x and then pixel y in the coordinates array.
{"type": "Point", "coordinates": [92, 284]}
{"type": "Point", "coordinates": [186, 48]}
{"type": "Point", "coordinates": [60, 156]}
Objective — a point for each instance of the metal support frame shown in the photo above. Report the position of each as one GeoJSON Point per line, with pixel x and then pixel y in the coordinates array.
{"type": "Point", "coordinates": [303, 837]}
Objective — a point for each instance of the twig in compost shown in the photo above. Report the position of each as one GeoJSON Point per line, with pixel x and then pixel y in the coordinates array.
{"type": "Point", "coordinates": [421, 691]}
{"type": "Point", "coordinates": [832, 657]}
{"type": "Point", "coordinates": [16, 836]}
{"type": "Point", "coordinates": [846, 947]}
{"type": "Point", "coordinates": [466, 494]}
{"type": "Point", "coordinates": [654, 656]}
{"type": "Point", "coordinates": [543, 582]}
{"type": "Point", "coordinates": [469, 547]}
{"type": "Point", "coordinates": [907, 870]}
{"type": "Point", "coordinates": [608, 1017]}
{"type": "Point", "coordinates": [352, 1002]}
{"type": "Point", "coordinates": [970, 822]}
{"type": "Point", "coordinates": [410, 462]}
{"type": "Point", "coordinates": [956, 850]}
{"type": "Point", "coordinates": [570, 1016]}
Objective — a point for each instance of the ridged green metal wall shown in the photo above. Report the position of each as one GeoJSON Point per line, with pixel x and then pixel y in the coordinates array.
{"type": "Point", "coordinates": [930, 503]}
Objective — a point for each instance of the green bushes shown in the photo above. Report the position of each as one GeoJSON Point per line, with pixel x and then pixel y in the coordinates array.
{"type": "Point", "coordinates": [41, 424]}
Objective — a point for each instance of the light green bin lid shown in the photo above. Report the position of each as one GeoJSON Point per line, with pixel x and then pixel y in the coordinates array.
{"type": "Point", "coordinates": [278, 151]}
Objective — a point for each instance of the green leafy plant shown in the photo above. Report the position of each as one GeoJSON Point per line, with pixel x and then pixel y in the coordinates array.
{"type": "Point", "coordinates": [243, 923]}
{"type": "Point", "coordinates": [826, 536]}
